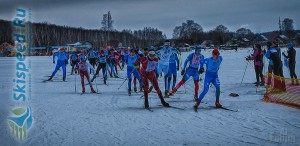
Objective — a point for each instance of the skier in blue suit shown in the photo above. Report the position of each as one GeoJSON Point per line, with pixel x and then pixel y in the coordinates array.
{"type": "Point", "coordinates": [62, 58]}
{"type": "Point", "coordinates": [211, 76]}
{"type": "Point", "coordinates": [129, 60]}
{"type": "Point", "coordinates": [73, 61]}
{"type": "Point", "coordinates": [173, 68]}
{"type": "Point", "coordinates": [194, 60]}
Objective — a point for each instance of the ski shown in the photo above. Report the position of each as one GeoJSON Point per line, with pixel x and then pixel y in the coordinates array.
{"type": "Point", "coordinates": [224, 108]}
{"type": "Point", "coordinates": [195, 108]}
{"type": "Point", "coordinates": [149, 109]}
{"type": "Point", "coordinates": [44, 81]}
{"type": "Point", "coordinates": [90, 93]}
{"type": "Point", "coordinates": [179, 108]}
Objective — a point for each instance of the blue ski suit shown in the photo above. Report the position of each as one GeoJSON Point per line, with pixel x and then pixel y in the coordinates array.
{"type": "Point", "coordinates": [211, 75]}
{"type": "Point", "coordinates": [131, 70]}
{"type": "Point", "coordinates": [62, 57]}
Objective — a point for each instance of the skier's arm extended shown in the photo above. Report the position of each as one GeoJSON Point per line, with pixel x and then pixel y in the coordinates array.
{"type": "Point", "coordinates": [177, 61]}
{"type": "Point", "coordinates": [137, 61]}
{"type": "Point", "coordinates": [53, 57]}
{"type": "Point", "coordinates": [186, 61]}
{"type": "Point", "coordinates": [203, 61]}
{"type": "Point", "coordinates": [284, 55]}
{"type": "Point", "coordinates": [253, 56]}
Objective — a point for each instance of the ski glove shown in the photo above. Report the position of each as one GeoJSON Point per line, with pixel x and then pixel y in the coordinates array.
{"type": "Point", "coordinates": [177, 68]}
{"type": "Point", "coordinates": [201, 71]}
{"type": "Point", "coordinates": [53, 62]}
{"type": "Point", "coordinates": [182, 72]}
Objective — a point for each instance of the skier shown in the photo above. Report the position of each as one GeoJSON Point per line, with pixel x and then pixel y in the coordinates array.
{"type": "Point", "coordinates": [291, 62]}
{"type": "Point", "coordinates": [83, 67]}
{"type": "Point", "coordinates": [73, 60]}
{"type": "Point", "coordinates": [102, 59]}
{"type": "Point", "coordinates": [211, 76]}
{"type": "Point", "coordinates": [258, 63]}
{"type": "Point", "coordinates": [194, 60]}
{"type": "Point", "coordinates": [122, 53]}
{"type": "Point", "coordinates": [117, 57]}
{"type": "Point", "coordinates": [140, 54]}
{"type": "Point", "coordinates": [274, 55]}
{"type": "Point", "coordinates": [163, 64]}
{"type": "Point", "coordinates": [147, 71]}
{"type": "Point", "coordinates": [125, 52]}
{"type": "Point", "coordinates": [129, 60]}
{"type": "Point", "coordinates": [173, 68]}
{"type": "Point", "coordinates": [145, 54]}
{"type": "Point", "coordinates": [112, 62]}
{"type": "Point", "coordinates": [62, 57]}
{"type": "Point", "coordinates": [92, 57]}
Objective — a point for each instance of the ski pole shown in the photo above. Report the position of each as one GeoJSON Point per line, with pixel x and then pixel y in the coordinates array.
{"type": "Point", "coordinates": [96, 84]}
{"type": "Point", "coordinates": [245, 72]}
{"type": "Point", "coordinates": [75, 84]}
{"type": "Point", "coordinates": [125, 79]}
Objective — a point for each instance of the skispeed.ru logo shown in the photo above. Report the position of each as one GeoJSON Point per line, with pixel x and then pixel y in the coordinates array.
{"type": "Point", "coordinates": [20, 122]}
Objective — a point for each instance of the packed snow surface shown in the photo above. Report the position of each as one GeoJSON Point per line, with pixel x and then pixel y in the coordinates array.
{"type": "Point", "coordinates": [63, 117]}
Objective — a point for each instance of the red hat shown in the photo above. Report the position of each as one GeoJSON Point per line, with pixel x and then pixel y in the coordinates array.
{"type": "Point", "coordinates": [216, 52]}
{"type": "Point", "coordinates": [102, 51]}
{"type": "Point", "coordinates": [61, 49]}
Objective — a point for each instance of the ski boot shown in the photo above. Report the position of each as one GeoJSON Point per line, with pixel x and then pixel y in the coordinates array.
{"type": "Point", "coordinates": [105, 79]}
{"type": "Point", "coordinates": [173, 92]}
{"type": "Point", "coordinates": [141, 89]}
{"type": "Point", "coordinates": [129, 91]}
{"type": "Point", "coordinates": [173, 87]}
{"type": "Point", "coordinates": [218, 105]}
{"type": "Point", "coordinates": [83, 90]}
{"type": "Point", "coordinates": [64, 79]}
{"type": "Point", "coordinates": [167, 94]}
{"type": "Point", "coordinates": [196, 97]}
{"type": "Point", "coordinates": [146, 104]}
{"type": "Point", "coordinates": [134, 89]}
{"type": "Point", "coordinates": [116, 76]}
{"type": "Point", "coordinates": [94, 77]}
{"type": "Point", "coordinates": [262, 84]}
{"type": "Point", "coordinates": [50, 78]}
{"type": "Point", "coordinates": [196, 106]}
{"type": "Point", "coordinates": [164, 103]}
{"type": "Point", "coordinates": [150, 89]}
{"type": "Point", "coordinates": [92, 90]}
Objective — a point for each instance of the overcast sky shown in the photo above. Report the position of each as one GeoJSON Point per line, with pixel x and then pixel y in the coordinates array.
{"type": "Point", "coordinates": [257, 15]}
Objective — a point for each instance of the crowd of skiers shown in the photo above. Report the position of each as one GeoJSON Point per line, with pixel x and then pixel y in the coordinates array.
{"type": "Point", "coordinates": [146, 65]}
{"type": "Point", "coordinates": [275, 67]}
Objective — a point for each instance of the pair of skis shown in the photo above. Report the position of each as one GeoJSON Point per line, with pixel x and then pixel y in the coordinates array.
{"type": "Point", "coordinates": [223, 108]}
{"type": "Point", "coordinates": [174, 107]}
{"type": "Point", "coordinates": [90, 93]}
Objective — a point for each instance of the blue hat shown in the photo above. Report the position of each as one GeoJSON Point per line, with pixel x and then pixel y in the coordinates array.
{"type": "Point", "coordinates": [198, 48]}
{"type": "Point", "coordinates": [291, 45]}
{"type": "Point", "coordinates": [83, 59]}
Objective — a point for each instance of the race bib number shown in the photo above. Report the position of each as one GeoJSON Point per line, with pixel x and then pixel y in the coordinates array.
{"type": "Point", "coordinates": [151, 66]}
{"type": "Point", "coordinates": [166, 54]}
{"type": "Point", "coordinates": [196, 60]}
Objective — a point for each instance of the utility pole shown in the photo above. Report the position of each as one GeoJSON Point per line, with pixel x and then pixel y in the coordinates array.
{"type": "Point", "coordinates": [280, 26]}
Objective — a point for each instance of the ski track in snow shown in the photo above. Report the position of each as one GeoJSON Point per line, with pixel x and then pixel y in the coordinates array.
{"type": "Point", "coordinates": [63, 117]}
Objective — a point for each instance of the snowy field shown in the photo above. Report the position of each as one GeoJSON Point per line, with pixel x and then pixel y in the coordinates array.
{"type": "Point", "coordinates": [63, 117]}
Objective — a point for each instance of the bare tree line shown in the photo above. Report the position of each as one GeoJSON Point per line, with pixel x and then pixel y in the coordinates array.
{"type": "Point", "coordinates": [44, 34]}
